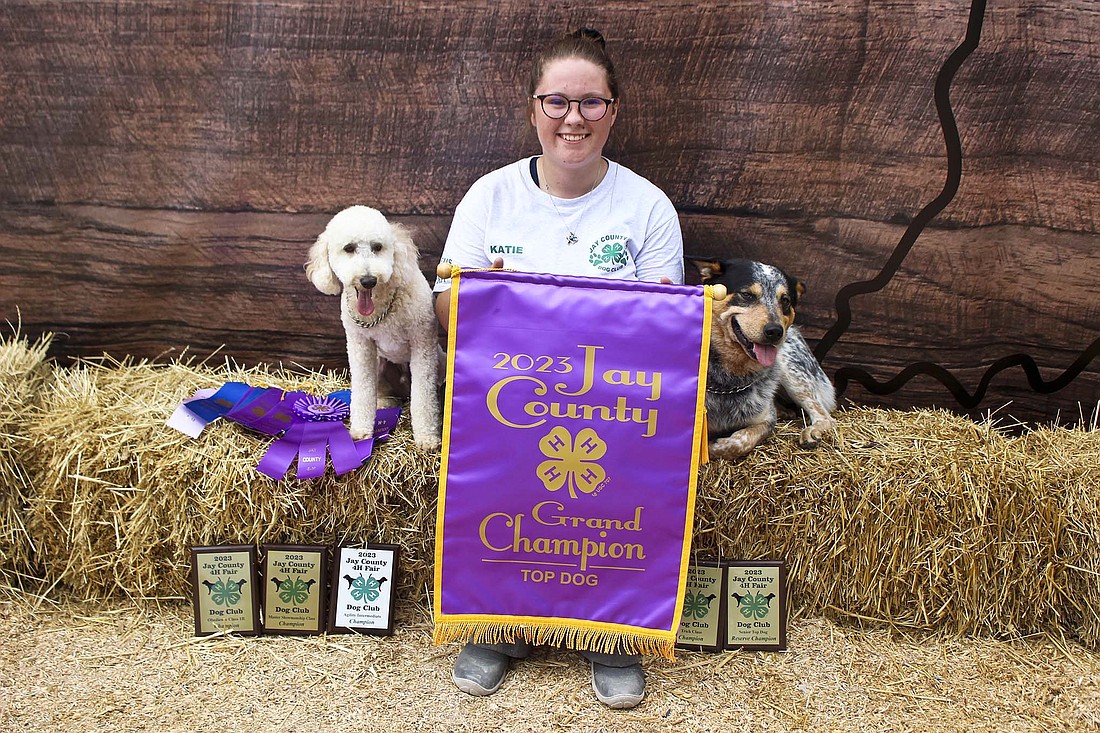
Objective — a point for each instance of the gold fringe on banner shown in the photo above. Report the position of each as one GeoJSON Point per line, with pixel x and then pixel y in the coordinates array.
{"type": "Point", "coordinates": [543, 632]}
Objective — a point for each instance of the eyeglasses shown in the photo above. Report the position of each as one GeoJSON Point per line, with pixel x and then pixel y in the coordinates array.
{"type": "Point", "coordinates": [556, 106]}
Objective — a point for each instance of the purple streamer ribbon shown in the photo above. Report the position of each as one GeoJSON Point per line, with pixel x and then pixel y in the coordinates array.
{"type": "Point", "coordinates": [308, 428]}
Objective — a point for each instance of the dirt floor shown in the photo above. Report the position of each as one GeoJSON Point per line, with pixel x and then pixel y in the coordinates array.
{"type": "Point", "coordinates": [115, 667]}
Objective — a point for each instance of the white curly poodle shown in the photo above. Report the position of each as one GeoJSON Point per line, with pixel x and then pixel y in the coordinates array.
{"type": "Point", "coordinates": [386, 309]}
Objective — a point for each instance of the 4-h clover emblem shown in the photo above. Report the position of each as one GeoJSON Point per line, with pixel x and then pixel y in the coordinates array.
{"type": "Point", "coordinates": [572, 462]}
{"type": "Point", "coordinates": [609, 257]}
{"type": "Point", "coordinates": [365, 589]}
{"type": "Point", "coordinates": [225, 592]}
{"type": "Point", "coordinates": [697, 605]}
{"type": "Point", "coordinates": [293, 591]}
{"type": "Point", "coordinates": [754, 606]}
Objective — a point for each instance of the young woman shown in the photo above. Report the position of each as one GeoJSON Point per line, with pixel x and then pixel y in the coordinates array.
{"type": "Point", "coordinates": [568, 211]}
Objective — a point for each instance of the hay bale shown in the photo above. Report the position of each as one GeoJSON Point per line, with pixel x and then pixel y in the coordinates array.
{"type": "Point", "coordinates": [1066, 468]}
{"type": "Point", "coordinates": [918, 519]}
{"type": "Point", "coordinates": [23, 372]}
{"type": "Point", "coordinates": [121, 498]}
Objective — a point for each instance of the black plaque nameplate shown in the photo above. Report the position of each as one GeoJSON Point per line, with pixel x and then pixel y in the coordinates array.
{"type": "Point", "coordinates": [224, 590]}
{"type": "Point", "coordinates": [295, 585]}
{"type": "Point", "coordinates": [702, 622]}
{"type": "Point", "coordinates": [756, 605]}
{"type": "Point", "coordinates": [363, 589]}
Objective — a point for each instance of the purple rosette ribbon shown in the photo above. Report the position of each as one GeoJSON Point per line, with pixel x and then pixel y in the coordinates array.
{"type": "Point", "coordinates": [321, 409]}
{"type": "Point", "coordinates": [307, 428]}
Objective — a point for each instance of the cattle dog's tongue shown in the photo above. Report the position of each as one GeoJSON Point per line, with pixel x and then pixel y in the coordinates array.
{"type": "Point", "coordinates": [764, 354]}
{"type": "Point", "coordinates": [365, 304]}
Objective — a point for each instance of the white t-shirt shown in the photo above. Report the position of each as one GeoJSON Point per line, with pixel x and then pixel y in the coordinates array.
{"type": "Point", "coordinates": [626, 228]}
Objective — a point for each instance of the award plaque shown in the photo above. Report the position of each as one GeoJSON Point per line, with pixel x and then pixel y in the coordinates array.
{"type": "Point", "coordinates": [756, 603]}
{"type": "Point", "coordinates": [295, 585]}
{"type": "Point", "coordinates": [702, 623]}
{"type": "Point", "coordinates": [363, 589]}
{"type": "Point", "coordinates": [224, 590]}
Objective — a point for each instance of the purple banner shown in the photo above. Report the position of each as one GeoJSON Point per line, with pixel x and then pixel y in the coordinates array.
{"type": "Point", "coordinates": [570, 454]}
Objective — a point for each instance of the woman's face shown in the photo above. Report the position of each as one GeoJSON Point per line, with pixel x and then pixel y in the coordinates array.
{"type": "Point", "coordinates": [572, 141]}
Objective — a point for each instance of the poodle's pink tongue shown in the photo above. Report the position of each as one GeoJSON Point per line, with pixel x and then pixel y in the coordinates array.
{"type": "Point", "coordinates": [365, 305]}
{"type": "Point", "coordinates": [765, 354]}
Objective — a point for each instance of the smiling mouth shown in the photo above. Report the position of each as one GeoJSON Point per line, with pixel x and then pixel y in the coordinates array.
{"type": "Point", "coordinates": [364, 303]}
{"type": "Point", "coordinates": [762, 353]}
{"type": "Point", "coordinates": [571, 137]}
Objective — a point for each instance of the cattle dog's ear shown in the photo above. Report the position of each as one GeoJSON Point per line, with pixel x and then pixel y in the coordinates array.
{"type": "Point", "coordinates": [795, 289]}
{"type": "Point", "coordinates": [708, 268]}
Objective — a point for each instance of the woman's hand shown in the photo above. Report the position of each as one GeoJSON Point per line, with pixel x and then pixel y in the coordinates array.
{"type": "Point", "coordinates": [443, 300]}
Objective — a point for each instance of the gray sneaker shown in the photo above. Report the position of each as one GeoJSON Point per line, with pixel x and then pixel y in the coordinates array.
{"type": "Point", "coordinates": [479, 671]}
{"type": "Point", "coordinates": [618, 687]}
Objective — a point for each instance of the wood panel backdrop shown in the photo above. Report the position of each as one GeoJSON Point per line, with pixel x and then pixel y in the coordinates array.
{"type": "Point", "coordinates": [929, 169]}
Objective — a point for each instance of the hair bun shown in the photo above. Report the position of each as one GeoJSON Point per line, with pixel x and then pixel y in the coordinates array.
{"type": "Point", "coordinates": [590, 34]}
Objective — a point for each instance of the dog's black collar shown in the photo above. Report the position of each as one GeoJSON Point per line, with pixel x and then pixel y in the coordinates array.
{"type": "Point", "coordinates": [362, 323]}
